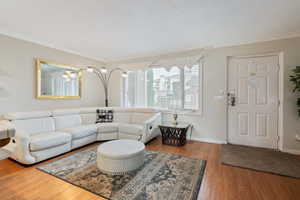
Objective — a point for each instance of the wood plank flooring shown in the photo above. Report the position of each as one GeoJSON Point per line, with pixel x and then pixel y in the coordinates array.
{"type": "Point", "coordinates": [221, 182]}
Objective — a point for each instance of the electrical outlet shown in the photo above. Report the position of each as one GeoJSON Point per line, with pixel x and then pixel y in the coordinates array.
{"type": "Point", "coordinates": [298, 138]}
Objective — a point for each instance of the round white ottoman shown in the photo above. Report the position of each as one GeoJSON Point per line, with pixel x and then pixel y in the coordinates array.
{"type": "Point", "coordinates": [120, 156]}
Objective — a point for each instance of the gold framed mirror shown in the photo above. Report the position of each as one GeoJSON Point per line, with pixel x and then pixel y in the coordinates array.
{"type": "Point", "coordinates": [58, 81]}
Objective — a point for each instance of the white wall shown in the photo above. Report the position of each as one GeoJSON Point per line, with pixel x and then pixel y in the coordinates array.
{"type": "Point", "coordinates": [17, 83]}
{"type": "Point", "coordinates": [18, 77]}
{"type": "Point", "coordinates": [212, 124]}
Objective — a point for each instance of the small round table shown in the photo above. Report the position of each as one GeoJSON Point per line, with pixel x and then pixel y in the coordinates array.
{"type": "Point", "coordinates": [120, 156]}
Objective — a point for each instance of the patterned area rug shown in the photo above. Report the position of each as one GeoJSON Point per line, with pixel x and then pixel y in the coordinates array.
{"type": "Point", "coordinates": [163, 176]}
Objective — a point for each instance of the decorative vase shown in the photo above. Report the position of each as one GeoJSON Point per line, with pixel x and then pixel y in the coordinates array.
{"type": "Point", "coordinates": [175, 117]}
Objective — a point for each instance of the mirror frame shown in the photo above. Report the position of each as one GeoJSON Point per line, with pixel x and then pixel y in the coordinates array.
{"type": "Point", "coordinates": [38, 79]}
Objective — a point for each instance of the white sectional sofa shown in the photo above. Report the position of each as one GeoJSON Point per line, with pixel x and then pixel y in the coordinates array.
{"type": "Point", "coordinates": [44, 134]}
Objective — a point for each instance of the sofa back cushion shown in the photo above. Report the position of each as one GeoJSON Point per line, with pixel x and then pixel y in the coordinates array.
{"type": "Point", "coordinates": [27, 115]}
{"type": "Point", "coordinates": [88, 118]}
{"type": "Point", "coordinates": [88, 115]}
{"type": "Point", "coordinates": [140, 118]}
{"type": "Point", "coordinates": [35, 125]}
{"type": "Point", "coordinates": [122, 115]}
{"type": "Point", "coordinates": [31, 123]}
{"type": "Point", "coordinates": [131, 115]}
{"type": "Point", "coordinates": [66, 118]}
{"type": "Point", "coordinates": [140, 115]}
{"type": "Point", "coordinates": [67, 121]}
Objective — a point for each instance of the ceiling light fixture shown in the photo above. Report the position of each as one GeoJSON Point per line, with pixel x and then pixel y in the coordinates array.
{"type": "Point", "coordinates": [73, 75]}
{"type": "Point", "coordinates": [65, 76]}
{"type": "Point", "coordinates": [103, 70]}
{"type": "Point", "coordinates": [90, 69]}
{"type": "Point", "coordinates": [125, 74]}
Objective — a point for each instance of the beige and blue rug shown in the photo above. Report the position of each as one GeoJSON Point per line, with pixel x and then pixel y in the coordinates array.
{"type": "Point", "coordinates": [163, 176]}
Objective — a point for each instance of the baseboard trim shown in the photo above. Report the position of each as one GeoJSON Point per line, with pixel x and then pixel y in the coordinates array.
{"type": "Point", "coordinates": [292, 151]}
{"type": "Point", "coordinates": [216, 141]}
{"type": "Point", "coordinates": [209, 140]}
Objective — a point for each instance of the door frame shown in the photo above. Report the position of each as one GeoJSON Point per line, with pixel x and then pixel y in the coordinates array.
{"type": "Point", "coordinates": [280, 56]}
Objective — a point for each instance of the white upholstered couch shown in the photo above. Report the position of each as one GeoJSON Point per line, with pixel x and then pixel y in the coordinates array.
{"type": "Point", "coordinates": [44, 134]}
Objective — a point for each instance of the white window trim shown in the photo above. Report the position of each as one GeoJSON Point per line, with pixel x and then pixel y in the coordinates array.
{"type": "Point", "coordinates": [201, 91]}
{"type": "Point", "coordinates": [192, 112]}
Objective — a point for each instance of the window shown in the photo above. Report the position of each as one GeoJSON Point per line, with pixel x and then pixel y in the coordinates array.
{"type": "Point", "coordinates": [164, 88]}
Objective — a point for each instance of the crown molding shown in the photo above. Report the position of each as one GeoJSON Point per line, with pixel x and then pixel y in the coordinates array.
{"type": "Point", "coordinates": [166, 54]}
{"type": "Point", "coordinates": [287, 36]}
{"type": "Point", "coordinates": [148, 56]}
{"type": "Point", "coordinates": [193, 51]}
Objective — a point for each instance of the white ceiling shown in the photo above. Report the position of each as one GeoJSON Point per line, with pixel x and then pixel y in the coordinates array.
{"type": "Point", "coordinates": [121, 29]}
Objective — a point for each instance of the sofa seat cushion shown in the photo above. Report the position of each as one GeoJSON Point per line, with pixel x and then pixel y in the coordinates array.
{"type": "Point", "coordinates": [43, 141]}
{"type": "Point", "coordinates": [81, 131]}
{"type": "Point", "coordinates": [108, 127]}
{"type": "Point", "coordinates": [132, 129]}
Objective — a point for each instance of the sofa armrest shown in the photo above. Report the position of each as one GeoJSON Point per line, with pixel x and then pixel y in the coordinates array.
{"type": "Point", "coordinates": [152, 123]}
{"type": "Point", "coordinates": [19, 148]}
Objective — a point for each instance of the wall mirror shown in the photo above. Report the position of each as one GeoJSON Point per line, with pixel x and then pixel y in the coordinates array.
{"type": "Point", "coordinates": [58, 81]}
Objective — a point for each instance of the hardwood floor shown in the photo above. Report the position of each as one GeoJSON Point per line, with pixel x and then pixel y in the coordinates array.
{"type": "Point", "coordinates": [221, 182]}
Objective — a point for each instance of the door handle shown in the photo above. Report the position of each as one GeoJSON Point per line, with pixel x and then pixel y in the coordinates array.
{"type": "Point", "coordinates": [231, 99]}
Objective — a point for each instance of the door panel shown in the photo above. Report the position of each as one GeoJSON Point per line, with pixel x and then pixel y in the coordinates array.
{"type": "Point", "coordinates": [242, 91]}
{"type": "Point", "coordinates": [243, 123]}
{"type": "Point", "coordinates": [254, 118]}
{"type": "Point", "coordinates": [261, 90]}
{"type": "Point", "coordinates": [262, 124]}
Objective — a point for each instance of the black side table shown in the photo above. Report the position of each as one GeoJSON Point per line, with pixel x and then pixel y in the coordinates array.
{"type": "Point", "coordinates": [174, 134]}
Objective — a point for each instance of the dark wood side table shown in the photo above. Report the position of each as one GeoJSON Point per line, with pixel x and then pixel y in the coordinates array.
{"type": "Point", "coordinates": [174, 134]}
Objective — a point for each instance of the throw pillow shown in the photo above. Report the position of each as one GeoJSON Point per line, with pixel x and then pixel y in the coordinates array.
{"type": "Point", "coordinates": [105, 116]}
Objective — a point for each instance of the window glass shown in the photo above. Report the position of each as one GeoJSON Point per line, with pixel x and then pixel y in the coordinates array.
{"type": "Point", "coordinates": [164, 88]}
{"type": "Point", "coordinates": [191, 87]}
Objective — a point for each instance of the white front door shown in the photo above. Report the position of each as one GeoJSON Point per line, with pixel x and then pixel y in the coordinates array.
{"type": "Point", "coordinates": [253, 101]}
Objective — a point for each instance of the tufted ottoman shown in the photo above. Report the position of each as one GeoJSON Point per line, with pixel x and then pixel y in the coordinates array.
{"type": "Point", "coordinates": [120, 156]}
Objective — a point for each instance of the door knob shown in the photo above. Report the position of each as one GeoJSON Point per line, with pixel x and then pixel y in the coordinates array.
{"type": "Point", "coordinates": [231, 99]}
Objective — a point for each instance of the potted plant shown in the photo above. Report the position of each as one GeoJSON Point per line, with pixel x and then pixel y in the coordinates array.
{"type": "Point", "coordinates": [295, 79]}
